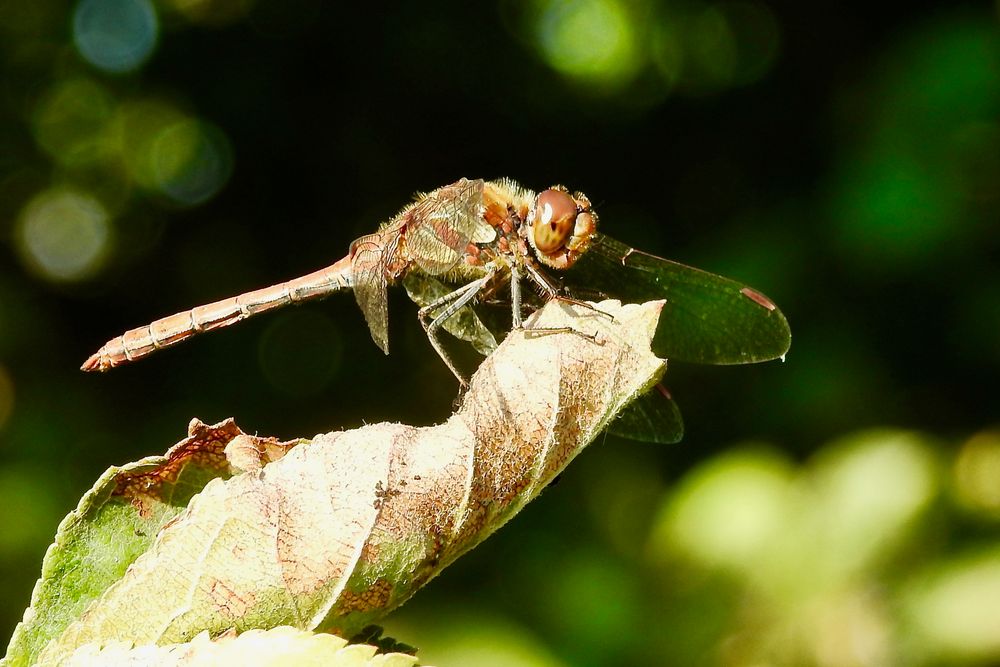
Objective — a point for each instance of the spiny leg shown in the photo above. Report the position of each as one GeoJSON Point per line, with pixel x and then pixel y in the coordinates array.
{"type": "Point", "coordinates": [515, 304]}
{"type": "Point", "coordinates": [452, 303]}
{"type": "Point", "coordinates": [552, 292]}
{"type": "Point", "coordinates": [515, 297]}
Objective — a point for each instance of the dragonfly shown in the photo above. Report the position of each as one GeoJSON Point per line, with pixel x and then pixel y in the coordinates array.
{"type": "Point", "coordinates": [466, 243]}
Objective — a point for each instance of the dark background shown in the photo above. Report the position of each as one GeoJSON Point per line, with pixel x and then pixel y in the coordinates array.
{"type": "Point", "coordinates": [844, 158]}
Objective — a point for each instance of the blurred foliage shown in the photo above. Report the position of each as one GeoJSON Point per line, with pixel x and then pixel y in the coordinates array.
{"type": "Point", "coordinates": [875, 551]}
{"type": "Point", "coordinates": [842, 157]}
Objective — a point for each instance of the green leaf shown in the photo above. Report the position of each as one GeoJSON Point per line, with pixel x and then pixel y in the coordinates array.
{"type": "Point", "coordinates": [114, 523]}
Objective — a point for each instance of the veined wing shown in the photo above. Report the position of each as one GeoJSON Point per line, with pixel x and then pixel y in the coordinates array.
{"type": "Point", "coordinates": [652, 417]}
{"type": "Point", "coordinates": [707, 319]}
{"type": "Point", "coordinates": [435, 230]}
{"type": "Point", "coordinates": [464, 325]}
{"type": "Point", "coordinates": [441, 224]}
{"type": "Point", "coordinates": [371, 256]}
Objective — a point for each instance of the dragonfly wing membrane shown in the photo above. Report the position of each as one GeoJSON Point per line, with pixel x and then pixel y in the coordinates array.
{"type": "Point", "coordinates": [707, 318]}
{"type": "Point", "coordinates": [370, 259]}
{"type": "Point", "coordinates": [442, 223]}
{"type": "Point", "coordinates": [652, 417]}
{"type": "Point", "coordinates": [464, 325]}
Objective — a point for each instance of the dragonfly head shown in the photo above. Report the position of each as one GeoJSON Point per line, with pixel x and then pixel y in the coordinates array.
{"type": "Point", "coordinates": [560, 226]}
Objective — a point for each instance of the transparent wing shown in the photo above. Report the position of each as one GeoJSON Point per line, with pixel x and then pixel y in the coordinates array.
{"type": "Point", "coordinates": [464, 325]}
{"type": "Point", "coordinates": [371, 256]}
{"type": "Point", "coordinates": [707, 319]}
{"type": "Point", "coordinates": [653, 417]}
{"type": "Point", "coordinates": [439, 226]}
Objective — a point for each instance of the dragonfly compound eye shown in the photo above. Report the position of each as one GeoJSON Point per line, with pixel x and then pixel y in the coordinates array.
{"type": "Point", "coordinates": [555, 217]}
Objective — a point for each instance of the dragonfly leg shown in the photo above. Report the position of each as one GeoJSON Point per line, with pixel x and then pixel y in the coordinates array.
{"type": "Point", "coordinates": [554, 292]}
{"type": "Point", "coordinates": [545, 331]}
{"type": "Point", "coordinates": [539, 277]}
{"type": "Point", "coordinates": [515, 297]}
{"type": "Point", "coordinates": [450, 303]}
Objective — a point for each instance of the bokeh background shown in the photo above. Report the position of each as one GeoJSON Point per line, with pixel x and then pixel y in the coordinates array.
{"type": "Point", "coordinates": [841, 508]}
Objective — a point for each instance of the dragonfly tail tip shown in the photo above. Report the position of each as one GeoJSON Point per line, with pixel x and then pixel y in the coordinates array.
{"type": "Point", "coordinates": [93, 363]}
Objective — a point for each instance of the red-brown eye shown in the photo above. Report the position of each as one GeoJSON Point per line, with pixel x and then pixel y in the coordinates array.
{"type": "Point", "coordinates": [555, 216]}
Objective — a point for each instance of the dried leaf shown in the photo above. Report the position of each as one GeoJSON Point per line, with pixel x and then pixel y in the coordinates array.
{"type": "Point", "coordinates": [332, 533]}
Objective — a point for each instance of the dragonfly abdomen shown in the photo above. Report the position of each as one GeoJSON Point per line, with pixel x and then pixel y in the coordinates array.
{"type": "Point", "coordinates": [167, 331]}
